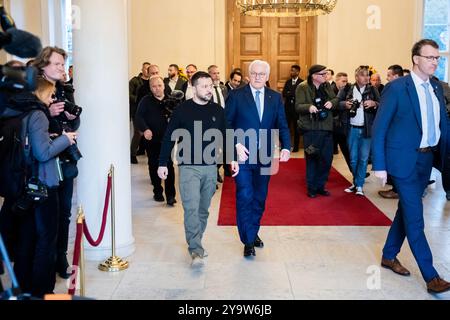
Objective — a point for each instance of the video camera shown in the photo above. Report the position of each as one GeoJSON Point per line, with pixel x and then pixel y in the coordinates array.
{"type": "Point", "coordinates": [174, 99]}
{"type": "Point", "coordinates": [22, 44]}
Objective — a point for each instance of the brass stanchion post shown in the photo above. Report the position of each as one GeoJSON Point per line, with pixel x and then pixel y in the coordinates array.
{"type": "Point", "coordinates": [113, 263]}
{"type": "Point", "coordinates": [80, 219]}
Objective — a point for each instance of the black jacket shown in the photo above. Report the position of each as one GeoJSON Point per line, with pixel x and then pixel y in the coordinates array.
{"type": "Point", "coordinates": [153, 115]}
{"type": "Point", "coordinates": [370, 93]}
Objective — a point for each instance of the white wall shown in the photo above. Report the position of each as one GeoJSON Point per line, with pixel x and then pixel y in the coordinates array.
{"type": "Point", "coordinates": [345, 40]}
{"type": "Point", "coordinates": [173, 31]}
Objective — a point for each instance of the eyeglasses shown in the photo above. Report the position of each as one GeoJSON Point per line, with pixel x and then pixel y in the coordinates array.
{"type": "Point", "coordinates": [431, 58]}
{"type": "Point", "coordinates": [256, 75]}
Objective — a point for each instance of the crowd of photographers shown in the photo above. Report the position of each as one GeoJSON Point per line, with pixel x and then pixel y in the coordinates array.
{"type": "Point", "coordinates": [35, 225]}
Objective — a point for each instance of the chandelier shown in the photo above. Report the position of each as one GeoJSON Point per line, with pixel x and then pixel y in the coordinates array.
{"type": "Point", "coordinates": [285, 8]}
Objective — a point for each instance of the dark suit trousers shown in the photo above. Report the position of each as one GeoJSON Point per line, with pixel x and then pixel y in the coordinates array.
{"type": "Point", "coordinates": [251, 194]}
{"type": "Point", "coordinates": [292, 117]}
{"type": "Point", "coordinates": [409, 220]}
{"type": "Point", "coordinates": [153, 149]}
{"type": "Point", "coordinates": [446, 174]}
{"type": "Point", "coordinates": [318, 169]}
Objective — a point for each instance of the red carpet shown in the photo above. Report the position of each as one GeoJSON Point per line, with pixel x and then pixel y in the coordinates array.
{"type": "Point", "coordinates": [288, 205]}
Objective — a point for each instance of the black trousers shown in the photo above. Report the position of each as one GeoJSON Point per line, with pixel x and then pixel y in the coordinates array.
{"type": "Point", "coordinates": [340, 139]}
{"type": "Point", "coordinates": [446, 174]}
{"type": "Point", "coordinates": [36, 247]}
{"type": "Point", "coordinates": [153, 149]}
{"type": "Point", "coordinates": [65, 192]}
{"type": "Point", "coordinates": [318, 167]}
{"type": "Point", "coordinates": [292, 118]}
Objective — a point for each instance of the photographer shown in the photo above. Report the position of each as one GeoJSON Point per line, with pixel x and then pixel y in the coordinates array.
{"type": "Point", "coordinates": [314, 102]}
{"type": "Point", "coordinates": [152, 117]}
{"type": "Point", "coordinates": [362, 102]}
{"type": "Point", "coordinates": [64, 117]}
{"type": "Point", "coordinates": [38, 223]}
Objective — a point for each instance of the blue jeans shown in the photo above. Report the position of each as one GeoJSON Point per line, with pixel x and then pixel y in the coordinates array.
{"type": "Point", "coordinates": [359, 154]}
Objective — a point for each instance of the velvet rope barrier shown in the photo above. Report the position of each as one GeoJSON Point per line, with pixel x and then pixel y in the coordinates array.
{"type": "Point", "coordinates": [105, 215]}
{"type": "Point", "coordinates": [83, 229]}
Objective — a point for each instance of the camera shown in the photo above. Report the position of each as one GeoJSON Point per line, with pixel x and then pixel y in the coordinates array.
{"type": "Point", "coordinates": [354, 108]}
{"type": "Point", "coordinates": [322, 114]}
{"type": "Point", "coordinates": [35, 193]}
{"type": "Point", "coordinates": [71, 108]}
{"type": "Point", "coordinates": [174, 99]}
{"type": "Point", "coordinates": [71, 153]}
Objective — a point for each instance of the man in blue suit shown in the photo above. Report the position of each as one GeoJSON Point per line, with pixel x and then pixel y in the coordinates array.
{"type": "Point", "coordinates": [257, 111]}
{"type": "Point", "coordinates": [410, 128]}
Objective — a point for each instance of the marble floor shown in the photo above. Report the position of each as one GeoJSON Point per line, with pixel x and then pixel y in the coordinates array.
{"type": "Point", "coordinates": [296, 263]}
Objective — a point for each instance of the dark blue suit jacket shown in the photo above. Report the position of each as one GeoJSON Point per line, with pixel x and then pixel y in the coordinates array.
{"type": "Point", "coordinates": [241, 113]}
{"type": "Point", "coordinates": [397, 130]}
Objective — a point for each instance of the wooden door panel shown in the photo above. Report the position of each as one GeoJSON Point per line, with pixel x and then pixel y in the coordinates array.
{"type": "Point", "coordinates": [288, 44]}
{"type": "Point", "coordinates": [251, 22]}
{"type": "Point", "coordinates": [251, 44]}
{"type": "Point", "coordinates": [280, 41]}
{"type": "Point", "coordinates": [289, 22]}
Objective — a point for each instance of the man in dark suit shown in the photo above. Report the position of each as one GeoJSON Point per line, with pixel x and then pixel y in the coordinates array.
{"type": "Point", "coordinates": [255, 110]}
{"type": "Point", "coordinates": [174, 81]}
{"type": "Point", "coordinates": [289, 103]}
{"type": "Point", "coordinates": [410, 126]}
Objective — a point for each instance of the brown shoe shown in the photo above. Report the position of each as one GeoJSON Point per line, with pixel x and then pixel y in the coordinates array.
{"type": "Point", "coordinates": [388, 194]}
{"type": "Point", "coordinates": [395, 266]}
{"type": "Point", "coordinates": [438, 285]}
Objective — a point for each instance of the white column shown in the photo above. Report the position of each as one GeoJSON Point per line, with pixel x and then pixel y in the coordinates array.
{"type": "Point", "coordinates": [101, 83]}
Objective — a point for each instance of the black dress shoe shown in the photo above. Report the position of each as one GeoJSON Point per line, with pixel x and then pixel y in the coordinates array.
{"type": "Point", "coordinates": [171, 201]}
{"type": "Point", "coordinates": [249, 250]}
{"type": "Point", "coordinates": [312, 194]}
{"type": "Point", "coordinates": [258, 242]}
{"type": "Point", "coordinates": [324, 192]}
{"type": "Point", "coordinates": [158, 198]}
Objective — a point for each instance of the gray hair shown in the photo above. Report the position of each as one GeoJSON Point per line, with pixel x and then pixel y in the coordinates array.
{"type": "Point", "coordinates": [265, 64]}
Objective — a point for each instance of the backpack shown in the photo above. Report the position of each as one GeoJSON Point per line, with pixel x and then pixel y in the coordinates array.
{"type": "Point", "coordinates": [14, 156]}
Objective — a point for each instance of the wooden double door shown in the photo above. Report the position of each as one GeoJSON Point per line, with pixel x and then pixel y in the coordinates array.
{"type": "Point", "coordinates": [280, 41]}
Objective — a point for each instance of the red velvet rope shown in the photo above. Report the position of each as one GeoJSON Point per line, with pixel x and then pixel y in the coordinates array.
{"type": "Point", "coordinates": [82, 228]}
{"type": "Point", "coordinates": [76, 259]}
{"type": "Point", "coordinates": [105, 213]}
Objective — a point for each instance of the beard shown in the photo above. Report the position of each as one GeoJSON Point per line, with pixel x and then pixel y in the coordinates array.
{"type": "Point", "coordinates": [205, 98]}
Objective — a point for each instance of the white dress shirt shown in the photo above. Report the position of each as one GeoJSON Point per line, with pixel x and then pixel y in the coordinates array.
{"type": "Point", "coordinates": [189, 92]}
{"type": "Point", "coordinates": [423, 109]}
